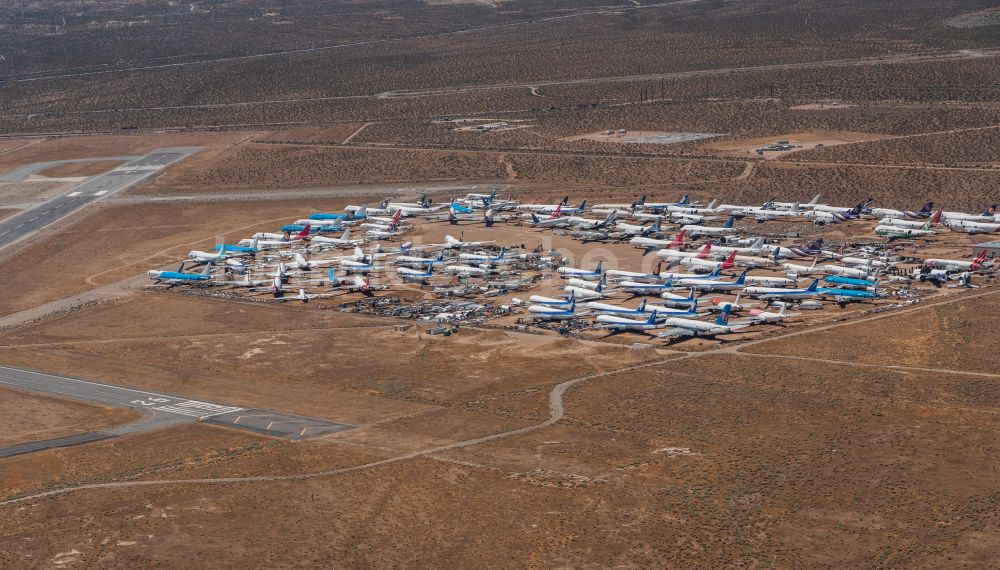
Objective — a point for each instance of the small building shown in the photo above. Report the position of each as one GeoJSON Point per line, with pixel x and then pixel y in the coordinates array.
{"type": "Point", "coordinates": [992, 249]}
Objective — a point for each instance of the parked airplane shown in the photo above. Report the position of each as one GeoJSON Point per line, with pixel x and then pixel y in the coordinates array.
{"type": "Point", "coordinates": [988, 215]}
{"type": "Point", "coordinates": [561, 302]}
{"type": "Point", "coordinates": [893, 232]}
{"type": "Point", "coordinates": [921, 214]}
{"type": "Point", "coordinates": [681, 327]}
{"type": "Point", "coordinates": [607, 309]}
{"type": "Point", "coordinates": [710, 264]}
{"type": "Point", "coordinates": [453, 243]}
{"type": "Point", "coordinates": [622, 324]}
{"type": "Point", "coordinates": [414, 261]}
{"type": "Point", "coordinates": [764, 316]}
{"type": "Point", "coordinates": [958, 264]}
{"type": "Point", "coordinates": [698, 230]}
{"type": "Point", "coordinates": [974, 227]}
{"type": "Point", "coordinates": [648, 243]}
{"type": "Point", "coordinates": [674, 255]}
{"type": "Point", "coordinates": [586, 292]}
{"type": "Point", "coordinates": [343, 241]}
{"type": "Point", "coordinates": [484, 259]}
{"type": "Point", "coordinates": [714, 284]}
{"type": "Point", "coordinates": [545, 313]}
{"type": "Point", "coordinates": [903, 223]}
{"type": "Point", "coordinates": [781, 293]}
{"type": "Point", "coordinates": [209, 258]}
{"type": "Point", "coordinates": [415, 275]}
{"type": "Point", "coordinates": [566, 272]}
{"type": "Point", "coordinates": [636, 230]}
{"type": "Point", "coordinates": [178, 277]}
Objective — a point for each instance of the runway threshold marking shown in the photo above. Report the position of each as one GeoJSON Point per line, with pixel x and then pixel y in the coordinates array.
{"type": "Point", "coordinates": [196, 409]}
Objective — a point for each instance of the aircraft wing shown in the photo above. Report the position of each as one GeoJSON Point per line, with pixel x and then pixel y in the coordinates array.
{"type": "Point", "coordinates": [676, 332]}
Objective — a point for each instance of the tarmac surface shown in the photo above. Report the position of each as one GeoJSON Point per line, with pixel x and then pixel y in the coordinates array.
{"type": "Point", "coordinates": [20, 226]}
{"type": "Point", "coordinates": [22, 173]}
{"type": "Point", "coordinates": [160, 411]}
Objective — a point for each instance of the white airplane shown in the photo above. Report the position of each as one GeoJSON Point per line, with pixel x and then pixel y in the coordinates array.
{"type": "Point", "coordinates": [710, 264]}
{"type": "Point", "coordinates": [724, 250]}
{"type": "Point", "coordinates": [974, 227]}
{"type": "Point", "coordinates": [697, 230]}
{"type": "Point", "coordinates": [958, 264]}
{"type": "Point", "coordinates": [567, 272]}
{"type": "Point", "coordinates": [621, 275]}
{"type": "Point", "coordinates": [591, 224]}
{"type": "Point", "coordinates": [988, 215]}
{"type": "Point", "coordinates": [922, 214]}
{"type": "Point", "coordinates": [781, 293]}
{"type": "Point", "coordinates": [681, 327]}
{"type": "Point", "coordinates": [713, 284]}
{"type": "Point", "coordinates": [453, 243]}
{"type": "Point", "coordinates": [903, 223]}
{"type": "Point", "coordinates": [585, 293]}
{"type": "Point", "coordinates": [894, 232]}
{"type": "Point", "coordinates": [343, 241]}
{"type": "Point", "coordinates": [207, 257]}
{"type": "Point", "coordinates": [562, 302]}
{"type": "Point", "coordinates": [583, 283]}
{"type": "Point", "coordinates": [545, 313]}
{"type": "Point", "coordinates": [300, 262]}
{"type": "Point", "coordinates": [770, 281]}
{"type": "Point", "coordinates": [364, 267]}
{"type": "Point", "coordinates": [554, 221]}
{"type": "Point", "coordinates": [468, 271]}
{"type": "Point", "coordinates": [674, 255]}
{"type": "Point", "coordinates": [636, 230]}
{"type": "Point", "coordinates": [414, 261]}
{"type": "Point", "coordinates": [484, 258]}
{"type": "Point", "coordinates": [415, 275]}
{"type": "Point", "coordinates": [648, 243]}
{"type": "Point", "coordinates": [641, 288]}
{"type": "Point", "coordinates": [794, 205]}
{"type": "Point", "coordinates": [762, 316]}
{"type": "Point", "coordinates": [734, 306]}
{"type": "Point", "coordinates": [842, 271]}
{"type": "Point", "coordinates": [350, 283]}
{"type": "Point", "coordinates": [606, 309]}
{"type": "Point", "coordinates": [863, 262]}
{"type": "Point", "coordinates": [623, 324]}
{"type": "Point", "coordinates": [800, 269]}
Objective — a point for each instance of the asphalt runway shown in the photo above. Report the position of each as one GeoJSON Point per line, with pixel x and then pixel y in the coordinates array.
{"type": "Point", "coordinates": [22, 173]}
{"type": "Point", "coordinates": [93, 189]}
{"type": "Point", "coordinates": [159, 411]}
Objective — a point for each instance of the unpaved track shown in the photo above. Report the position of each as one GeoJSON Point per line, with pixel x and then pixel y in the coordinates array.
{"type": "Point", "coordinates": [557, 411]}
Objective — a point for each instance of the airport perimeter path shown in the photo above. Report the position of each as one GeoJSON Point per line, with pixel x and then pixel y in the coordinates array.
{"type": "Point", "coordinates": [557, 411]}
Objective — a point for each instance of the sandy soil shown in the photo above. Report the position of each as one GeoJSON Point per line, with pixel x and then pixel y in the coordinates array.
{"type": "Point", "coordinates": [807, 140]}
{"type": "Point", "coordinates": [30, 417]}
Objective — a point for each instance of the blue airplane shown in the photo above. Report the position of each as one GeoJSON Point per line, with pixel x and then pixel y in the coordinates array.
{"type": "Point", "coordinates": [460, 209]}
{"type": "Point", "coordinates": [849, 282]}
{"type": "Point", "coordinates": [237, 248]}
{"type": "Point", "coordinates": [175, 277]}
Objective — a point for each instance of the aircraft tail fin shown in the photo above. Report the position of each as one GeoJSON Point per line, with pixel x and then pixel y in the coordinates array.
{"type": "Point", "coordinates": [711, 204]}
{"type": "Point", "coordinates": [741, 278]}
{"type": "Point", "coordinates": [642, 306]}
{"type": "Point", "coordinates": [684, 200]}
{"type": "Point", "coordinates": [534, 218]}
{"type": "Point", "coordinates": [730, 261]}
{"type": "Point", "coordinates": [813, 286]}
{"type": "Point", "coordinates": [652, 318]}
{"type": "Point", "coordinates": [207, 270]}
{"type": "Point", "coordinates": [729, 222]}
{"type": "Point", "coordinates": [599, 269]}
{"type": "Point", "coordinates": [991, 210]}
{"type": "Point", "coordinates": [723, 318]}
{"type": "Point", "coordinates": [814, 201]}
